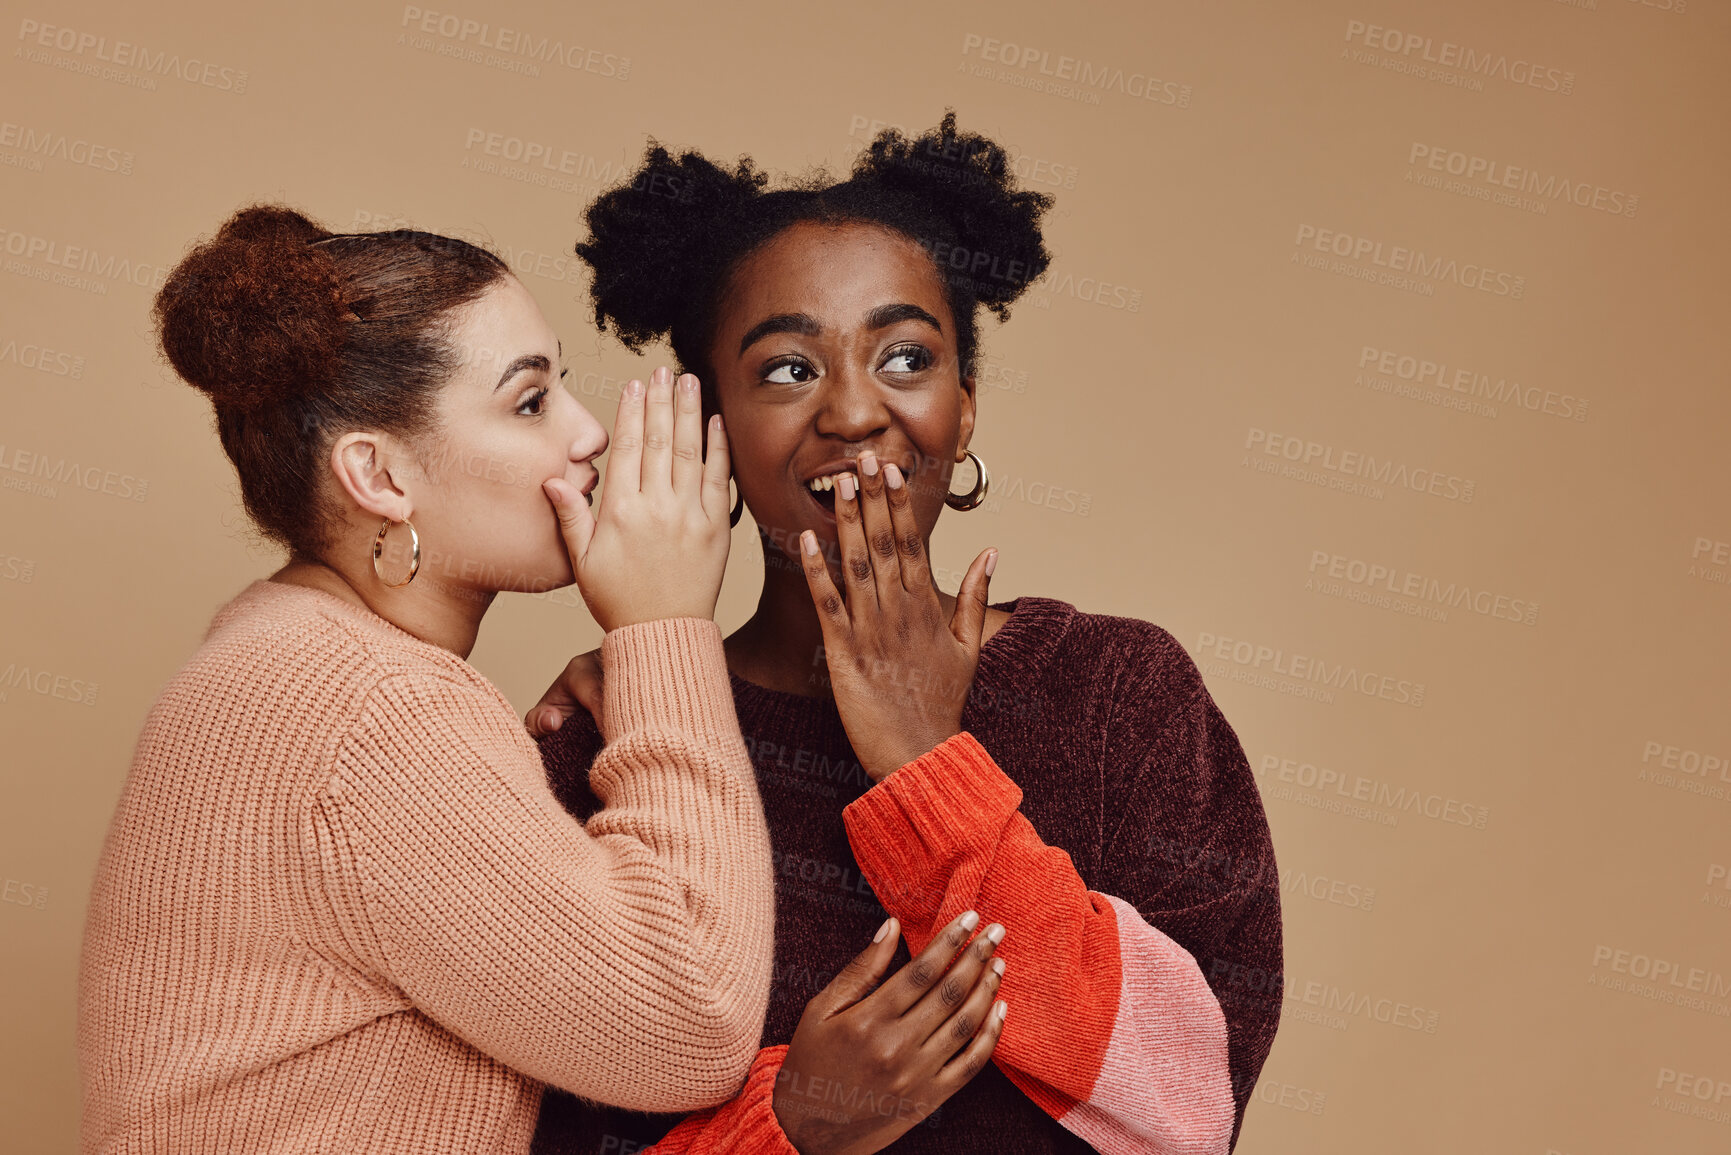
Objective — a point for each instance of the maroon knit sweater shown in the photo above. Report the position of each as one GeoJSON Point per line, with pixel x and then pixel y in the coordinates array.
{"type": "Point", "coordinates": [1124, 762]}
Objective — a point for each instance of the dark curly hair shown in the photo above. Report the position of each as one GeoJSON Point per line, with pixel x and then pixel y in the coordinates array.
{"type": "Point", "coordinates": [664, 245]}
{"type": "Point", "coordinates": [299, 335]}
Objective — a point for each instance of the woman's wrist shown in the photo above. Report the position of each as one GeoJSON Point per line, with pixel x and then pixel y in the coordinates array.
{"type": "Point", "coordinates": [906, 754]}
{"type": "Point", "coordinates": [666, 673]}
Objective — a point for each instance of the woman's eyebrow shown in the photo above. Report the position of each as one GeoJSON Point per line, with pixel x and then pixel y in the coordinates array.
{"type": "Point", "coordinates": [884, 316]}
{"type": "Point", "coordinates": [802, 323]}
{"type": "Point", "coordinates": [526, 361]}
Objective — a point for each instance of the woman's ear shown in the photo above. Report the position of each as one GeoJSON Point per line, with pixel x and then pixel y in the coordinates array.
{"type": "Point", "coordinates": [967, 426]}
{"type": "Point", "coordinates": [362, 463]}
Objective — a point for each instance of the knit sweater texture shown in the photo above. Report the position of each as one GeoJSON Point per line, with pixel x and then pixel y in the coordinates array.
{"type": "Point", "coordinates": [1101, 807]}
{"type": "Point", "coordinates": [338, 908]}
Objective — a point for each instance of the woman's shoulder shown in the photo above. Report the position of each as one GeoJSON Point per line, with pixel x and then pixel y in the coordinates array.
{"type": "Point", "coordinates": [1049, 635]}
{"type": "Point", "coordinates": [290, 644]}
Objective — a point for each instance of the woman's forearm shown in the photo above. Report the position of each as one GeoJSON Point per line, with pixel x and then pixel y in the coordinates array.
{"type": "Point", "coordinates": [1116, 1033]}
{"type": "Point", "coordinates": [627, 961]}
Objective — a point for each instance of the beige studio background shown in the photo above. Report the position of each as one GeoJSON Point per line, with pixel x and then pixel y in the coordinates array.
{"type": "Point", "coordinates": [1382, 363]}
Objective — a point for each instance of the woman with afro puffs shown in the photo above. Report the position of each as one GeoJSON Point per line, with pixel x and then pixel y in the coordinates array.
{"type": "Point", "coordinates": [1059, 780]}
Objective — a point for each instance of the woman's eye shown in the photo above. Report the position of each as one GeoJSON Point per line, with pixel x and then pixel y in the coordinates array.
{"type": "Point", "coordinates": [790, 373]}
{"type": "Point", "coordinates": [908, 359]}
{"type": "Point", "coordinates": [531, 406]}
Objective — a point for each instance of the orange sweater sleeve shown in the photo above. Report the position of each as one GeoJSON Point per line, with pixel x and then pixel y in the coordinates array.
{"type": "Point", "coordinates": [1113, 1030]}
{"type": "Point", "coordinates": [746, 1125]}
{"type": "Point", "coordinates": [626, 960]}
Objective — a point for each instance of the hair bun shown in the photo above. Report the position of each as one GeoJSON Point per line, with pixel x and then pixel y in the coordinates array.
{"type": "Point", "coordinates": [255, 314]}
{"type": "Point", "coordinates": [968, 179]}
{"type": "Point", "coordinates": [649, 238]}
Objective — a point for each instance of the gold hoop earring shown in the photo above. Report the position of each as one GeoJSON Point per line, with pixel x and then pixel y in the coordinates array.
{"type": "Point", "coordinates": [414, 558]}
{"type": "Point", "coordinates": [972, 498]}
{"type": "Point", "coordinates": [738, 504]}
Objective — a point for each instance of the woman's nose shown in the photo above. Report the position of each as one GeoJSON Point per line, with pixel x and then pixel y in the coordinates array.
{"type": "Point", "coordinates": [851, 407]}
{"type": "Point", "coordinates": [591, 439]}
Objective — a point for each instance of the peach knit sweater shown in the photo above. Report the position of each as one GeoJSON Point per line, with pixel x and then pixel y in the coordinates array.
{"type": "Point", "coordinates": [339, 910]}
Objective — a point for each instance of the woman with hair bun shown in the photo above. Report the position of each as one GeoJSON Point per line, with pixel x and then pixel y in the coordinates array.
{"type": "Point", "coordinates": [338, 908]}
{"type": "Point", "coordinates": [919, 752]}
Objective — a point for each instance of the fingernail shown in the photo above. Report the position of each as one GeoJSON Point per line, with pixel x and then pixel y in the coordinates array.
{"type": "Point", "coordinates": [991, 562]}
{"type": "Point", "coordinates": [1001, 1010]}
{"type": "Point", "coordinates": [662, 373]}
{"type": "Point", "coordinates": [970, 920]}
{"type": "Point", "coordinates": [883, 930]}
{"type": "Point", "coordinates": [688, 383]}
{"type": "Point", "coordinates": [868, 464]}
{"type": "Point", "coordinates": [995, 934]}
{"type": "Point", "coordinates": [998, 967]}
{"type": "Point", "coordinates": [634, 388]}
{"type": "Point", "coordinates": [808, 542]}
{"type": "Point", "coordinates": [552, 492]}
{"type": "Point", "coordinates": [892, 476]}
{"type": "Point", "coordinates": [845, 487]}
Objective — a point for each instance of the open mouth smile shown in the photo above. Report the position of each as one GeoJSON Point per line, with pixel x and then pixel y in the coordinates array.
{"type": "Point", "coordinates": [822, 490]}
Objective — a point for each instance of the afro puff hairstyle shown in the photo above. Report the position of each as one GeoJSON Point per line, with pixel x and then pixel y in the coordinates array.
{"type": "Point", "coordinates": [664, 245]}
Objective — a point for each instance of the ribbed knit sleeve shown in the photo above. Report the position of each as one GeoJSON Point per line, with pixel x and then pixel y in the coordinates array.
{"type": "Point", "coordinates": [1203, 871]}
{"type": "Point", "coordinates": [1114, 1031]}
{"type": "Point", "coordinates": [746, 1125]}
{"type": "Point", "coordinates": [626, 960]}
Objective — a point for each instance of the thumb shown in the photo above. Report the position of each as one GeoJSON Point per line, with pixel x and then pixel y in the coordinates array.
{"type": "Point", "coordinates": [862, 973]}
{"type": "Point", "coordinates": [968, 624]}
{"type": "Point", "coordinates": [576, 521]}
